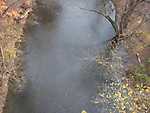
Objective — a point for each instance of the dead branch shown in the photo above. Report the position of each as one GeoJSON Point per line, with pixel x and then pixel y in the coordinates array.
{"type": "Point", "coordinates": [2, 53]}
{"type": "Point", "coordinates": [138, 58]}
{"type": "Point", "coordinates": [3, 64]}
{"type": "Point", "coordinates": [112, 22]}
{"type": "Point", "coordinates": [24, 15]}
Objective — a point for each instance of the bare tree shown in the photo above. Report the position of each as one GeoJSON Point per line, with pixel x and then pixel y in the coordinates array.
{"type": "Point", "coordinates": [122, 18]}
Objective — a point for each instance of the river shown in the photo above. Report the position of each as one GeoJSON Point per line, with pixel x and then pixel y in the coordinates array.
{"type": "Point", "coordinates": [60, 58]}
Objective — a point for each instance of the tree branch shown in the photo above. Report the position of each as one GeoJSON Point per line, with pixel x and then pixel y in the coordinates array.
{"type": "Point", "coordinates": [112, 22]}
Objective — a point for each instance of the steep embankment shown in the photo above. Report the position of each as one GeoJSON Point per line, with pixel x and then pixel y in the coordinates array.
{"type": "Point", "coordinates": [13, 15]}
{"type": "Point", "coordinates": [131, 93]}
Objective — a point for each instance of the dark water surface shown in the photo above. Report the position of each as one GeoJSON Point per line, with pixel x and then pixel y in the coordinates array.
{"type": "Point", "coordinates": [60, 59]}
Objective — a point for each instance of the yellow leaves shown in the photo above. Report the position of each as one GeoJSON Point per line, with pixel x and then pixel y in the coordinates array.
{"type": "Point", "coordinates": [127, 98]}
{"type": "Point", "coordinates": [143, 89]}
{"type": "Point", "coordinates": [123, 86]}
{"type": "Point", "coordinates": [83, 111]}
{"type": "Point", "coordinates": [147, 90]}
{"type": "Point", "coordinates": [146, 34]}
{"type": "Point", "coordinates": [10, 53]}
{"type": "Point", "coordinates": [130, 92]}
{"type": "Point", "coordinates": [118, 94]}
{"type": "Point", "coordinates": [137, 86]}
{"type": "Point", "coordinates": [134, 112]}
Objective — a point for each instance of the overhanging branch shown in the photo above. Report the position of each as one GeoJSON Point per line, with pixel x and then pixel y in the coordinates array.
{"type": "Point", "coordinates": [112, 22]}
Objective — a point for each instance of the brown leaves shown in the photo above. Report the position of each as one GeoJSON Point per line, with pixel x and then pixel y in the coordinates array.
{"type": "Point", "coordinates": [3, 6]}
{"type": "Point", "coordinates": [127, 98]}
{"type": "Point", "coordinates": [17, 12]}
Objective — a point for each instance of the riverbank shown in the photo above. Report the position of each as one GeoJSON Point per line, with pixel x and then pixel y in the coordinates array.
{"type": "Point", "coordinates": [128, 88]}
{"type": "Point", "coordinates": [137, 40]}
{"type": "Point", "coordinates": [133, 92]}
{"type": "Point", "coordinates": [12, 18]}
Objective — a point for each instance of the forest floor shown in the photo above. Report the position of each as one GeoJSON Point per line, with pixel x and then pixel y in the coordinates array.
{"type": "Point", "coordinates": [13, 15]}
{"type": "Point", "coordinates": [133, 93]}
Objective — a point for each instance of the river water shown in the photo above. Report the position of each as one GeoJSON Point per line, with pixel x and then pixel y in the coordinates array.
{"type": "Point", "coordinates": [60, 54]}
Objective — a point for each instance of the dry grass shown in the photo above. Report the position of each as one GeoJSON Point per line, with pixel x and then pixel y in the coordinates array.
{"type": "Point", "coordinates": [11, 35]}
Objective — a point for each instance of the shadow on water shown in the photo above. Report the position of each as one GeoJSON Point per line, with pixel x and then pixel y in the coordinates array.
{"type": "Point", "coordinates": [60, 58]}
{"type": "Point", "coordinates": [46, 11]}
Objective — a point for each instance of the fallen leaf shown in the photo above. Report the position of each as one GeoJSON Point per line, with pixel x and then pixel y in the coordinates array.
{"type": "Point", "coordinates": [83, 111]}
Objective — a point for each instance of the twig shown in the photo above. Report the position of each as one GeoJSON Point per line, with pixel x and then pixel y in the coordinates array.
{"type": "Point", "coordinates": [24, 15]}
{"type": "Point", "coordinates": [2, 53]}
{"type": "Point", "coordinates": [3, 57]}
{"type": "Point", "coordinates": [3, 64]}
{"type": "Point", "coordinates": [138, 58]}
